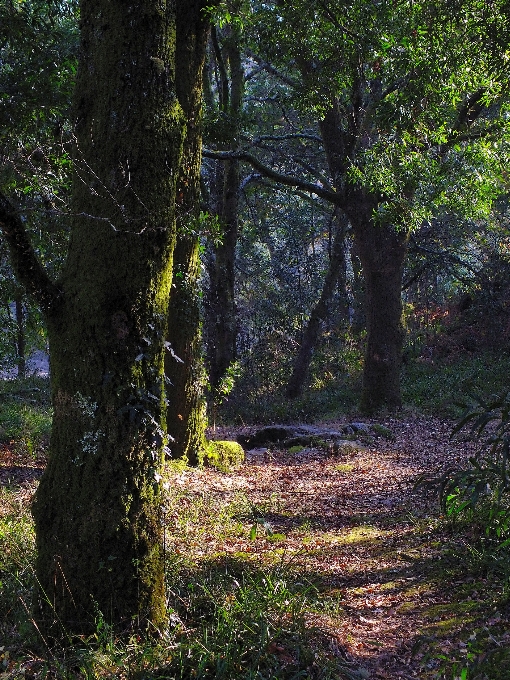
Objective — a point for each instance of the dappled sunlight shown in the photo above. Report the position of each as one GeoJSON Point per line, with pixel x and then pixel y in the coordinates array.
{"type": "Point", "coordinates": [353, 526]}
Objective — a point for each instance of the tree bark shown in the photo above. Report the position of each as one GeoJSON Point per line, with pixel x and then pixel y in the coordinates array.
{"type": "Point", "coordinates": [97, 509]}
{"type": "Point", "coordinates": [382, 250]}
{"type": "Point", "coordinates": [224, 200]}
{"type": "Point", "coordinates": [186, 412]}
{"type": "Point", "coordinates": [311, 334]}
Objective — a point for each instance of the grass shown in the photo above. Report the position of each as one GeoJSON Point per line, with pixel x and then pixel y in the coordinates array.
{"type": "Point", "coordinates": [230, 617]}
{"type": "Point", "coordinates": [438, 388]}
{"type": "Point", "coordinates": [17, 555]}
{"type": "Point", "coordinates": [25, 414]}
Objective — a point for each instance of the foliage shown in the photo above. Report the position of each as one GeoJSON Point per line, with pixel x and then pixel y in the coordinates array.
{"type": "Point", "coordinates": [478, 495]}
{"type": "Point", "coordinates": [25, 414]}
{"type": "Point", "coordinates": [38, 56]}
{"type": "Point", "coordinates": [435, 386]}
{"type": "Point", "coordinates": [488, 472]}
{"type": "Point", "coordinates": [414, 65]}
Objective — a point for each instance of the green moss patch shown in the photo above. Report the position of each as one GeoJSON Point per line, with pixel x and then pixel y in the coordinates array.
{"type": "Point", "coordinates": [223, 455]}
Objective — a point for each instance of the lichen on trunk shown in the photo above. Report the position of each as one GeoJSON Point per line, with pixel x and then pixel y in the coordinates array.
{"type": "Point", "coordinates": [97, 509]}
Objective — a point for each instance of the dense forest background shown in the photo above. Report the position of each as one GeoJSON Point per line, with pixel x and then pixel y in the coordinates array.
{"type": "Point", "coordinates": [282, 290]}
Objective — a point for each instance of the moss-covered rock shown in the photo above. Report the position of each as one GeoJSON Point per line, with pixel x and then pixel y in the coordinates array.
{"type": "Point", "coordinates": [223, 455]}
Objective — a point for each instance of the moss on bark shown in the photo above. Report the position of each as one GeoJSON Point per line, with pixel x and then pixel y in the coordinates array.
{"type": "Point", "coordinates": [186, 412]}
{"type": "Point", "coordinates": [97, 509]}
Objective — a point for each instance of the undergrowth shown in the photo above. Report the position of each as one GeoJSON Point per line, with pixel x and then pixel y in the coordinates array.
{"type": "Point", "coordinates": [334, 388]}
{"type": "Point", "coordinates": [228, 617]}
{"type": "Point", "coordinates": [437, 388]}
{"type": "Point", "coordinates": [25, 414]}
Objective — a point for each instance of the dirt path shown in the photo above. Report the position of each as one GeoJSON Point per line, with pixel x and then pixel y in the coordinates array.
{"type": "Point", "coordinates": [353, 523]}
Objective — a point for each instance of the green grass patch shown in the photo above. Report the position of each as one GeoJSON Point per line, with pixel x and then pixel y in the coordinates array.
{"type": "Point", "coordinates": [17, 555]}
{"type": "Point", "coordinates": [25, 414]}
{"type": "Point", "coordinates": [344, 467]}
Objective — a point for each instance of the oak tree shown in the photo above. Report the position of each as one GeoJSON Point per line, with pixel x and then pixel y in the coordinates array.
{"type": "Point", "coordinates": [97, 510]}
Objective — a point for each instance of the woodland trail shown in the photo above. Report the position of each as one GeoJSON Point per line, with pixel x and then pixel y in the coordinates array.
{"type": "Point", "coordinates": [392, 597]}
{"type": "Point", "coordinates": [389, 594]}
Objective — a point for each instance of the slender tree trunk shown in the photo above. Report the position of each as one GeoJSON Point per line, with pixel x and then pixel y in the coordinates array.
{"type": "Point", "coordinates": [221, 312]}
{"type": "Point", "coordinates": [222, 326]}
{"type": "Point", "coordinates": [311, 334]}
{"type": "Point", "coordinates": [97, 509]}
{"type": "Point", "coordinates": [21, 361]}
{"type": "Point", "coordinates": [186, 416]}
{"type": "Point", "coordinates": [382, 250]}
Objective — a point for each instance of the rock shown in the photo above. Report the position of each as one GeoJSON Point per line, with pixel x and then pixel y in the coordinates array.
{"type": "Point", "coordinates": [257, 455]}
{"type": "Point", "coordinates": [360, 427]}
{"type": "Point", "coordinates": [344, 446]}
{"type": "Point", "coordinates": [382, 431]}
{"type": "Point", "coordinates": [267, 435]}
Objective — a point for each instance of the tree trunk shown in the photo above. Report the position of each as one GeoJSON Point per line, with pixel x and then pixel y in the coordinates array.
{"type": "Point", "coordinates": [311, 334]}
{"type": "Point", "coordinates": [221, 312]}
{"type": "Point", "coordinates": [21, 360]}
{"type": "Point", "coordinates": [186, 414]}
{"type": "Point", "coordinates": [382, 250]}
{"type": "Point", "coordinates": [97, 509]}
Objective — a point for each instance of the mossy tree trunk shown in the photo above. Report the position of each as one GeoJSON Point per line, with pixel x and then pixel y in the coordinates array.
{"type": "Point", "coordinates": [186, 416]}
{"type": "Point", "coordinates": [97, 509]}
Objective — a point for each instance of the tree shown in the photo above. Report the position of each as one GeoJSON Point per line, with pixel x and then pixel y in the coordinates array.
{"type": "Point", "coordinates": [98, 507]}
{"type": "Point", "coordinates": [411, 102]}
{"type": "Point", "coordinates": [224, 101]}
{"type": "Point", "coordinates": [186, 416]}
{"type": "Point", "coordinates": [335, 272]}
{"type": "Point", "coordinates": [38, 55]}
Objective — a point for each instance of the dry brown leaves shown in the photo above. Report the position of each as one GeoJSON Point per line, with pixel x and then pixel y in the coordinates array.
{"type": "Point", "coordinates": [354, 522]}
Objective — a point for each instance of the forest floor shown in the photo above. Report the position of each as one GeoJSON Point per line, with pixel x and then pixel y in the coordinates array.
{"type": "Point", "coordinates": [393, 593]}
{"type": "Point", "coordinates": [388, 586]}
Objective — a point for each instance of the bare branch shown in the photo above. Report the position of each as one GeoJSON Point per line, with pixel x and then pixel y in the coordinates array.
{"type": "Point", "coordinates": [280, 178]}
{"type": "Point", "coordinates": [272, 70]}
{"type": "Point", "coordinates": [278, 138]}
{"type": "Point", "coordinates": [26, 265]}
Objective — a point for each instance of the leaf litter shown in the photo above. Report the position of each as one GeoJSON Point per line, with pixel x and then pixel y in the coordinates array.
{"type": "Point", "coordinates": [390, 595]}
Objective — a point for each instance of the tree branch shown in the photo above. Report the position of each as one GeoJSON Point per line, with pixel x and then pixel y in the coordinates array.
{"type": "Point", "coordinates": [277, 138]}
{"type": "Point", "coordinates": [29, 271]}
{"type": "Point", "coordinates": [269, 68]}
{"type": "Point", "coordinates": [280, 178]}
